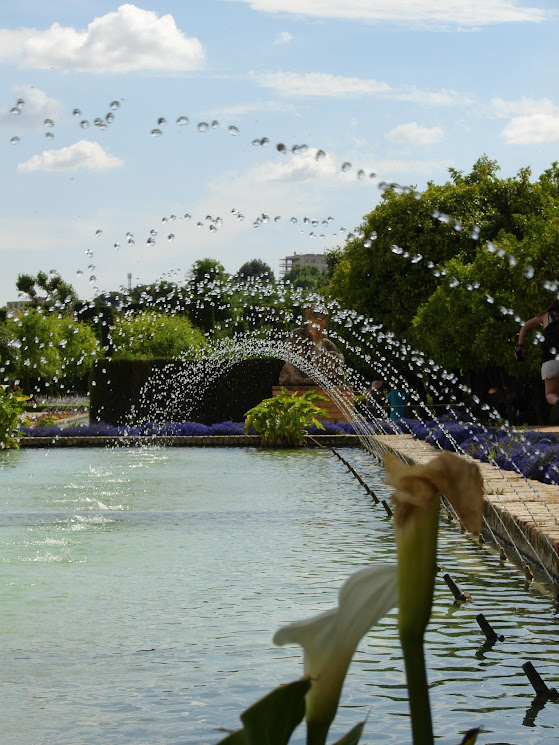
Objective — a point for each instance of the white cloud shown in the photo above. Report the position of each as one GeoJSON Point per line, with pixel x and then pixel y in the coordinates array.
{"type": "Point", "coordinates": [121, 41]}
{"type": "Point", "coordinates": [443, 97]}
{"type": "Point", "coordinates": [296, 168]}
{"type": "Point", "coordinates": [438, 14]}
{"type": "Point", "coordinates": [337, 86]}
{"type": "Point", "coordinates": [414, 134]}
{"type": "Point", "coordinates": [522, 107]}
{"type": "Point", "coordinates": [283, 38]}
{"type": "Point", "coordinates": [320, 84]}
{"type": "Point", "coordinates": [81, 155]}
{"type": "Point", "coordinates": [36, 107]}
{"type": "Point", "coordinates": [532, 130]}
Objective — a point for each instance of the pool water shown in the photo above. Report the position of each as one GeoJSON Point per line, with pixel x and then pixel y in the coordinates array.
{"type": "Point", "coordinates": [141, 587]}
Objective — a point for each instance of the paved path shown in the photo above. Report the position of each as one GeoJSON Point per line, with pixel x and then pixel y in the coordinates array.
{"type": "Point", "coordinates": [519, 513]}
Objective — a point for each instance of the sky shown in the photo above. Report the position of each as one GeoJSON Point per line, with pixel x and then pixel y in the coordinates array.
{"type": "Point", "coordinates": [139, 138]}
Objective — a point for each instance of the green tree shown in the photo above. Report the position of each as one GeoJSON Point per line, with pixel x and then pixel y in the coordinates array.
{"type": "Point", "coordinates": [154, 335]}
{"type": "Point", "coordinates": [306, 278]}
{"type": "Point", "coordinates": [210, 303]}
{"type": "Point", "coordinates": [386, 269]}
{"type": "Point", "coordinates": [255, 268]}
{"type": "Point", "coordinates": [59, 292]}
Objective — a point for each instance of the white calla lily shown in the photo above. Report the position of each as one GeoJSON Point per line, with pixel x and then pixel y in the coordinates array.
{"type": "Point", "coordinates": [330, 639]}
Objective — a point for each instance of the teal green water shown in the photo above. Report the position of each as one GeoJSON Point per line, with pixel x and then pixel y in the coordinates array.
{"type": "Point", "coordinates": [140, 589]}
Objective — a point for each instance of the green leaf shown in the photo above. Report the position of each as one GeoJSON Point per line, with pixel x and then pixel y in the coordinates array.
{"type": "Point", "coordinates": [271, 720]}
{"type": "Point", "coordinates": [353, 736]}
{"type": "Point", "coordinates": [470, 737]}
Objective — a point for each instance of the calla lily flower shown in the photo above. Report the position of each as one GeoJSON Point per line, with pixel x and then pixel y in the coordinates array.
{"type": "Point", "coordinates": [416, 517]}
{"type": "Point", "coordinates": [330, 639]}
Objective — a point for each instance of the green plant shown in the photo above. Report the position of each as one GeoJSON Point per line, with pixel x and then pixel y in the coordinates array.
{"type": "Point", "coordinates": [283, 420]}
{"type": "Point", "coordinates": [47, 421]}
{"type": "Point", "coordinates": [11, 406]}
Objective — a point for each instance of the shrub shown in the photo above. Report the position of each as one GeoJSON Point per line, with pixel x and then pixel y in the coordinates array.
{"type": "Point", "coordinates": [283, 420]}
{"type": "Point", "coordinates": [11, 406]}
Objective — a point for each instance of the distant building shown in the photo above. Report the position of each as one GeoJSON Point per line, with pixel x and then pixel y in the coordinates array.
{"type": "Point", "coordinates": [16, 305]}
{"type": "Point", "coordinates": [289, 262]}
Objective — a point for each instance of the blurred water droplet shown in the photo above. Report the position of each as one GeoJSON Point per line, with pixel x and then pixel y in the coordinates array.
{"type": "Point", "coordinates": [491, 247]}
{"type": "Point", "coordinates": [511, 259]}
{"type": "Point", "coordinates": [14, 140]}
{"type": "Point", "coordinates": [161, 122]}
{"type": "Point", "coordinates": [320, 155]}
{"type": "Point", "coordinates": [93, 278]}
{"type": "Point", "coordinates": [346, 166]}
{"type": "Point", "coordinates": [501, 253]}
{"type": "Point", "coordinates": [416, 259]}
{"type": "Point", "coordinates": [99, 123]}
{"type": "Point", "coordinates": [213, 228]}
{"type": "Point", "coordinates": [233, 130]}
{"type": "Point", "coordinates": [171, 237]}
{"type": "Point", "coordinates": [214, 124]}
{"type": "Point", "coordinates": [79, 272]}
{"type": "Point", "coordinates": [76, 112]}
{"type": "Point", "coordinates": [84, 124]}
{"type": "Point", "coordinates": [361, 174]}
{"type": "Point", "coordinates": [299, 149]}
{"type": "Point", "coordinates": [98, 232]}
{"type": "Point", "coordinates": [203, 127]}
{"type": "Point", "coordinates": [153, 232]}
{"type": "Point", "coordinates": [114, 105]}
{"type": "Point", "coordinates": [187, 216]}
{"type": "Point", "coordinates": [109, 117]}
{"type": "Point", "coordinates": [529, 271]}
{"type": "Point", "coordinates": [182, 121]}
{"type": "Point", "coordinates": [372, 174]}
{"type": "Point", "coordinates": [457, 226]}
{"type": "Point", "coordinates": [156, 132]}
{"type": "Point", "coordinates": [151, 241]}
{"type": "Point", "coordinates": [116, 246]}
{"type": "Point", "coordinates": [396, 249]}
{"type": "Point", "coordinates": [294, 220]}
{"type": "Point", "coordinates": [280, 147]}
{"type": "Point", "coordinates": [453, 282]}
{"type": "Point", "coordinates": [489, 299]}
{"type": "Point", "coordinates": [15, 110]}
{"type": "Point", "coordinates": [49, 135]}
{"type": "Point", "coordinates": [476, 230]}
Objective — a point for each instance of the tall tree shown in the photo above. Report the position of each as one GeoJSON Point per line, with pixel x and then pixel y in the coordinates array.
{"type": "Point", "coordinates": [254, 269]}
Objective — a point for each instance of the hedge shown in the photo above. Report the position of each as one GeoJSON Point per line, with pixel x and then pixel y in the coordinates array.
{"type": "Point", "coordinates": [116, 388]}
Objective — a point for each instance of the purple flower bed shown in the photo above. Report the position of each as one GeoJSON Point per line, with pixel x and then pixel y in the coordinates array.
{"type": "Point", "coordinates": [533, 454]}
{"type": "Point", "coordinates": [169, 429]}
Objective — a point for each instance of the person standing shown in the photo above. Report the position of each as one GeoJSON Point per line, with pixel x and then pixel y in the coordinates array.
{"type": "Point", "coordinates": [397, 399]}
{"type": "Point", "coordinates": [549, 319]}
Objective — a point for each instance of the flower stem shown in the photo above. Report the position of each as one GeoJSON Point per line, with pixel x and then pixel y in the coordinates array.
{"type": "Point", "coordinates": [418, 691]}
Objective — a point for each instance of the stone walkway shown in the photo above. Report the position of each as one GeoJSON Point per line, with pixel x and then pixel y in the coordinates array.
{"type": "Point", "coordinates": [520, 513]}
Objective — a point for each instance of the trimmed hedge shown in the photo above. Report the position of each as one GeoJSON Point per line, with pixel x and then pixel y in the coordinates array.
{"type": "Point", "coordinates": [116, 388]}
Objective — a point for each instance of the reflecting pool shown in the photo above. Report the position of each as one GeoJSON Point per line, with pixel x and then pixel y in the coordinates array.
{"type": "Point", "coordinates": [141, 588]}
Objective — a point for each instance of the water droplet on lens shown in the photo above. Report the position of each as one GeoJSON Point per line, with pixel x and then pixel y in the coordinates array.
{"type": "Point", "coordinates": [49, 135]}
{"type": "Point", "coordinates": [529, 271]}
{"type": "Point", "coordinates": [156, 132]}
{"type": "Point", "coordinates": [171, 237]}
{"type": "Point", "coordinates": [346, 166]}
{"type": "Point", "coordinates": [109, 117]}
{"type": "Point", "coordinates": [203, 127]}
{"type": "Point", "coordinates": [187, 216]}
{"type": "Point", "coordinates": [114, 105]}
{"type": "Point", "coordinates": [161, 122]}
{"type": "Point", "coordinates": [84, 124]}
{"type": "Point", "coordinates": [14, 140]}
{"type": "Point", "coordinates": [76, 112]}
{"type": "Point", "coordinates": [48, 123]}
{"type": "Point", "coordinates": [79, 272]}
{"type": "Point", "coordinates": [233, 130]}
{"type": "Point", "coordinates": [360, 174]}
{"type": "Point", "coordinates": [280, 147]}
{"type": "Point", "coordinates": [214, 124]}
{"type": "Point", "coordinates": [15, 110]}
{"type": "Point", "coordinates": [182, 121]}
{"type": "Point", "coordinates": [320, 154]}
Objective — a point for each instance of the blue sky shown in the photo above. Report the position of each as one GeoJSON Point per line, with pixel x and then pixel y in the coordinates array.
{"type": "Point", "coordinates": [402, 89]}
